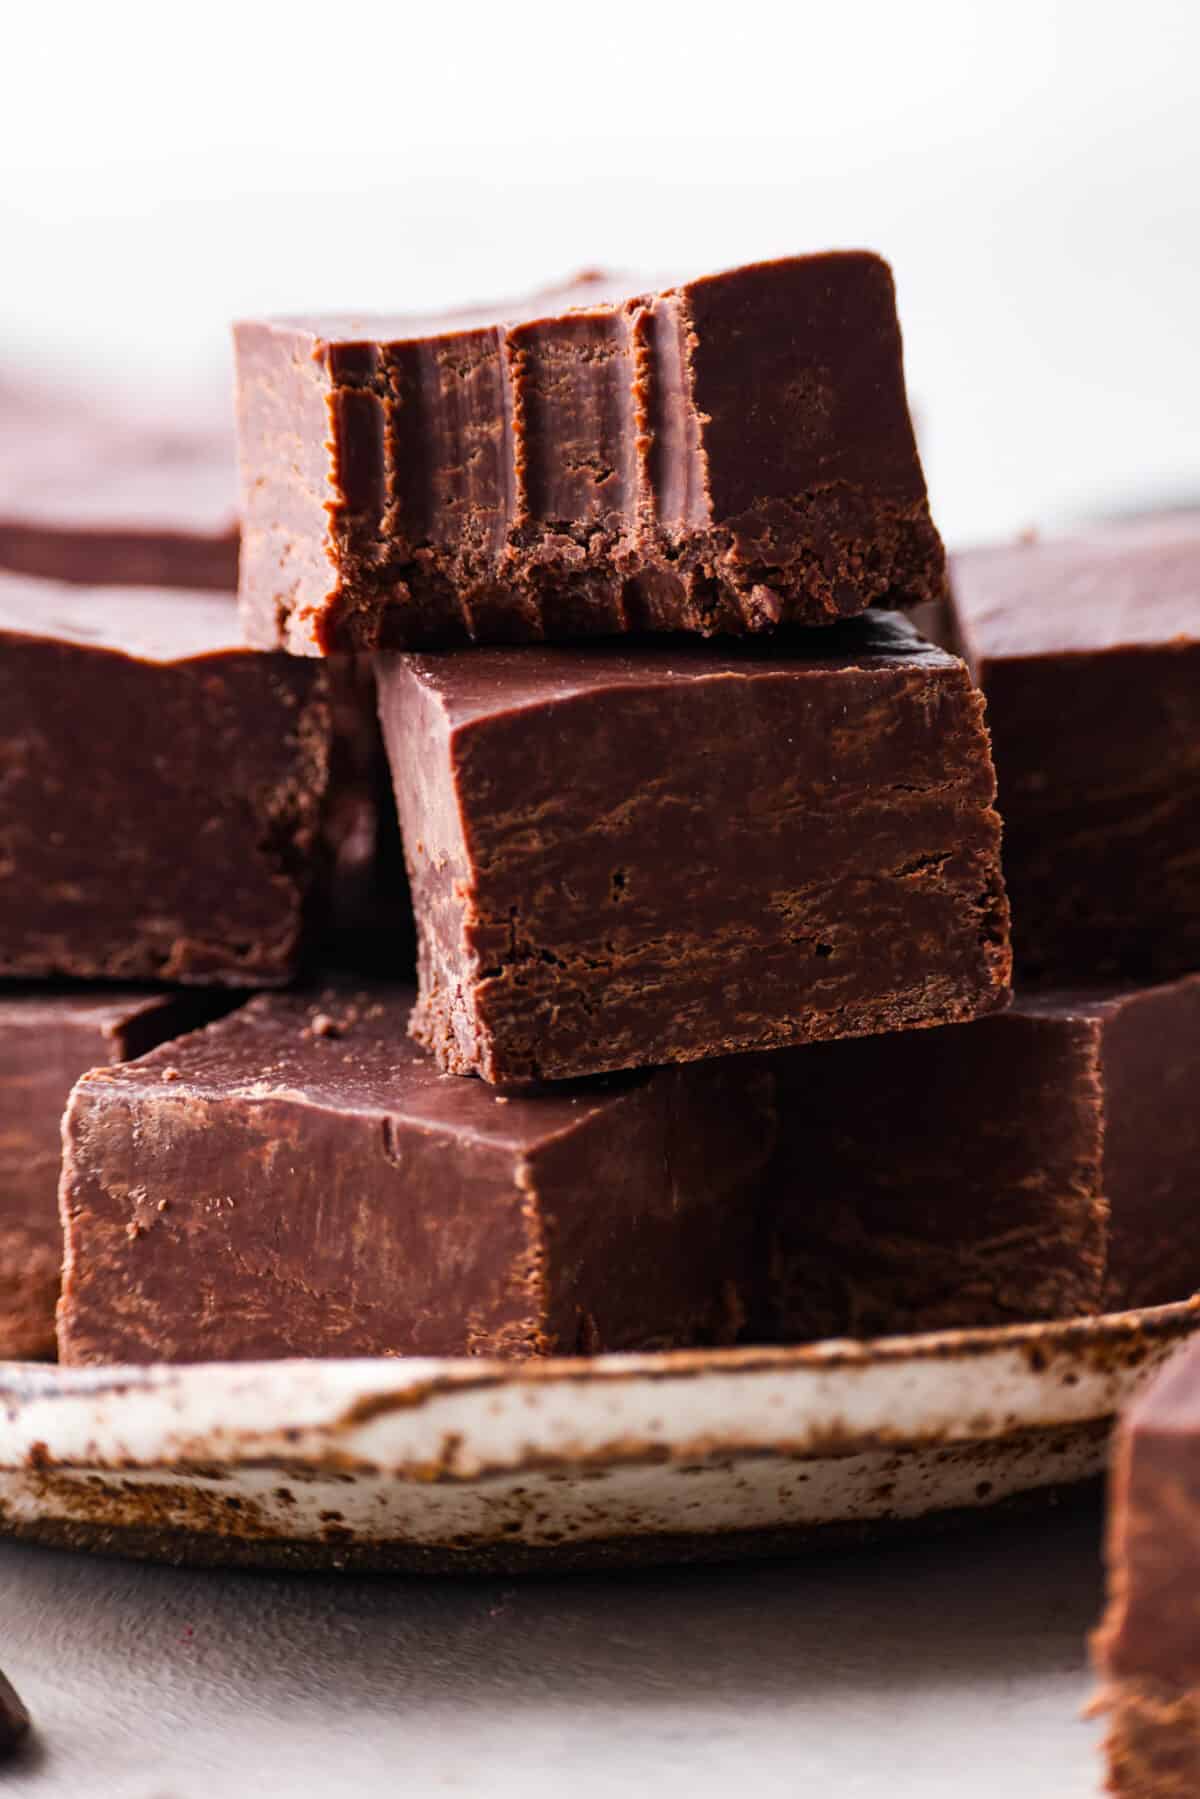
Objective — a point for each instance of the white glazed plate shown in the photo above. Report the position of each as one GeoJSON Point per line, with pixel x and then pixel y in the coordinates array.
{"type": "Point", "coordinates": [473, 1464]}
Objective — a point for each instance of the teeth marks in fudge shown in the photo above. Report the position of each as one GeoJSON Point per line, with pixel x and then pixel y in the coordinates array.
{"type": "Point", "coordinates": [722, 456]}
{"type": "Point", "coordinates": [163, 791]}
{"type": "Point", "coordinates": [1037, 1164]}
{"type": "Point", "coordinates": [630, 857]}
{"type": "Point", "coordinates": [48, 1038]}
{"type": "Point", "coordinates": [1088, 650]}
{"type": "Point", "coordinates": [298, 1179]}
{"type": "Point", "coordinates": [1148, 1647]}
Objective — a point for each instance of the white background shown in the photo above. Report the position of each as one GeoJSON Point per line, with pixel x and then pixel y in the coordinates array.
{"type": "Point", "coordinates": [1030, 168]}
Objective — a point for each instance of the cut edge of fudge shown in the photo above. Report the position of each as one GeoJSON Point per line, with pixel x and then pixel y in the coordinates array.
{"type": "Point", "coordinates": [269, 736]}
{"type": "Point", "coordinates": [1088, 649]}
{"type": "Point", "coordinates": [104, 1025]}
{"type": "Point", "coordinates": [917, 1199]}
{"type": "Point", "coordinates": [411, 1213]}
{"type": "Point", "coordinates": [597, 464]}
{"type": "Point", "coordinates": [891, 1207]}
{"type": "Point", "coordinates": [491, 974]}
{"type": "Point", "coordinates": [1146, 1652]}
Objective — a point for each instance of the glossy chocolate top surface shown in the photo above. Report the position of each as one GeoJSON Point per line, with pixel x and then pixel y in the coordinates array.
{"type": "Point", "coordinates": [144, 623]}
{"type": "Point", "coordinates": [489, 682]}
{"type": "Point", "coordinates": [347, 1050]}
{"type": "Point", "coordinates": [1135, 585]}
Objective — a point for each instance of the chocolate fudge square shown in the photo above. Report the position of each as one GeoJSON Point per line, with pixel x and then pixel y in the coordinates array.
{"type": "Point", "coordinates": [1148, 1648]}
{"type": "Point", "coordinates": [1038, 1164]}
{"type": "Point", "coordinates": [96, 498]}
{"type": "Point", "coordinates": [622, 856]}
{"type": "Point", "coordinates": [298, 1179]}
{"type": "Point", "coordinates": [1088, 650]}
{"type": "Point", "coordinates": [48, 1038]}
{"type": "Point", "coordinates": [161, 789]}
{"type": "Point", "coordinates": [721, 456]}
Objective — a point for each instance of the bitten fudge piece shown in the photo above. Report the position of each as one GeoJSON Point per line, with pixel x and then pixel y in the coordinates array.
{"type": "Point", "coordinates": [92, 498]}
{"type": "Point", "coordinates": [1038, 1164]}
{"type": "Point", "coordinates": [717, 457]}
{"type": "Point", "coordinates": [629, 857]}
{"type": "Point", "coordinates": [1148, 1648]}
{"type": "Point", "coordinates": [298, 1180]}
{"type": "Point", "coordinates": [1088, 650]}
{"type": "Point", "coordinates": [47, 1040]}
{"type": "Point", "coordinates": [162, 788]}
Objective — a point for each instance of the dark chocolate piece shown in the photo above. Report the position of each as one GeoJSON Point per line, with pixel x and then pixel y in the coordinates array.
{"type": "Point", "coordinates": [1038, 1164]}
{"type": "Point", "coordinates": [298, 1180]}
{"type": "Point", "coordinates": [1148, 1648]}
{"type": "Point", "coordinates": [162, 789]}
{"type": "Point", "coordinates": [719, 457]}
{"type": "Point", "coordinates": [621, 857]}
{"type": "Point", "coordinates": [97, 499]}
{"type": "Point", "coordinates": [47, 1040]}
{"type": "Point", "coordinates": [1088, 650]}
{"type": "Point", "coordinates": [14, 1720]}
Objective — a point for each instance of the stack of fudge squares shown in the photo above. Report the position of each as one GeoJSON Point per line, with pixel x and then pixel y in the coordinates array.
{"type": "Point", "coordinates": [597, 604]}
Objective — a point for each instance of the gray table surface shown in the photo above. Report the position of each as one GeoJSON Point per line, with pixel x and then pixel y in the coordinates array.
{"type": "Point", "coordinates": [939, 1669]}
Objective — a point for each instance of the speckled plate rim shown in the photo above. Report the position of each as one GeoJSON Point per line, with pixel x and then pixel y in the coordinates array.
{"type": "Point", "coordinates": [437, 1453]}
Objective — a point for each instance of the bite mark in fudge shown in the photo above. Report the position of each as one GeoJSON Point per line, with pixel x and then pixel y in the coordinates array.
{"type": "Point", "coordinates": [298, 1179]}
{"type": "Point", "coordinates": [721, 456]}
{"type": "Point", "coordinates": [163, 786]}
{"type": "Point", "coordinates": [48, 1039]}
{"type": "Point", "coordinates": [645, 855]}
{"type": "Point", "coordinates": [1088, 650]}
{"type": "Point", "coordinates": [100, 499]}
{"type": "Point", "coordinates": [1038, 1164]}
{"type": "Point", "coordinates": [1148, 1647]}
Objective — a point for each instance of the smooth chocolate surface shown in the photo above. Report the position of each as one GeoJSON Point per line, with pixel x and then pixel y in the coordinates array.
{"type": "Point", "coordinates": [1148, 1647]}
{"type": "Point", "coordinates": [162, 793]}
{"type": "Point", "coordinates": [723, 456]}
{"type": "Point", "coordinates": [623, 856]}
{"type": "Point", "coordinates": [48, 1038]}
{"type": "Point", "coordinates": [1038, 1164]}
{"type": "Point", "coordinates": [94, 498]}
{"type": "Point", "coordinates": [1088, 650]}
{"type": "Point", "coordinates": [298, 1179]}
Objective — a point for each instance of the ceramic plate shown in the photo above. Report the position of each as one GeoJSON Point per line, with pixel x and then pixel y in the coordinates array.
{"type": "Point", "coordinates": [468, 1464]}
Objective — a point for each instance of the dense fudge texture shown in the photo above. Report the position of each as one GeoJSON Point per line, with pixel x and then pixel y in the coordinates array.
{"type": "Point", "coordinates": [719, 457]}
{"type": "Point", "coordinates": [94, 497]}
{"type": "Point", "coordinates": [298, 1180]}
{"type": "Point", "coordinates": [1088, 650]}
{"type": "Point", "coordinates": [1148, 1648]}
{"type": "Point", "coordinates": [47, 1040]}
{"type": "Point", "coordinates": [1036, 1164]}
{"type": "Point", "coordinates": [622, 857]}
{"type": "Point", "coordinates": [162, 788]}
